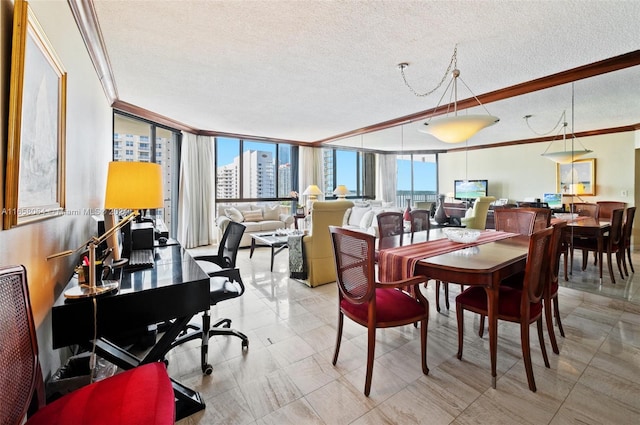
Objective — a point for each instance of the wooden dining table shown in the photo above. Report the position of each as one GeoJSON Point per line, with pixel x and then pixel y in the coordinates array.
{"type": "Point", "coordinates": [588, 227]}
{"type": "Point", "coordinates": [496, 256]}
{"type": "Point", "coordinates": [484, 265]}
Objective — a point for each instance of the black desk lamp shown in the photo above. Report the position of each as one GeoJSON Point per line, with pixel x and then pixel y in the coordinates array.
{"type": "Point", "coordinates": [130, 186]}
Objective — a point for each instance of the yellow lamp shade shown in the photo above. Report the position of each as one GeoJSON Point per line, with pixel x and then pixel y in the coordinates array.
{"type": "Point", "coordinates": [341, 191]}
{"type": "Point", "coordinates": [134, 186]}
{"type": "Point", "coordinates": [312, 190]}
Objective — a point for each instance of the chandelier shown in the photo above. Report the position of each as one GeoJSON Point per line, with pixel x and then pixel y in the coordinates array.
{"type": "Point", "coordinates": [453, 128]}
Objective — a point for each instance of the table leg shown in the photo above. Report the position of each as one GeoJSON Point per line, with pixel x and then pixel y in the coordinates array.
{"type": "Point", "coordinates": [253, 246]}
{"type": "Point", "coordinates": [273, 254]}
{"type": "Point", "coordinates": [492, 307]}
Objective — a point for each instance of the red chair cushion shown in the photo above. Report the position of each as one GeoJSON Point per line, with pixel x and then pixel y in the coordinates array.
{"type": "Point", "coordinates": [391, 305]}
{"type": "Point", "coordinates": [143, 395]}
{"type": "Point", "coordinates": [508, 304]}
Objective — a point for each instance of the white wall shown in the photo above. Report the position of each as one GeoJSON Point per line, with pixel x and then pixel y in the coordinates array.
{"type": "Point", "coordinates": [518, 171]}
{"type": "Point", "coordinates": [88, 151]}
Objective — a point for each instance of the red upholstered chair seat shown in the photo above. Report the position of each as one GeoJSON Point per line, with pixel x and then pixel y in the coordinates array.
{"type": "Point", "coordinates": [142, 395]}
{"type": "Point", "coordinates": [392, 305]}
{"type": "Point", "coordinates": [475, 298]}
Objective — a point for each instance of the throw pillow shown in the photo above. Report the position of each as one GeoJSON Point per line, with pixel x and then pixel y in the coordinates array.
{"type": "Point", "coordinates": [255, 215]}
{"type": "Point", "coordinates": [345, 219]}
{"type": "Point", "coordinates": [271, 212]}
{"type": "Point", "coordinates": [365, 221]}
{"type": "Point", "coordinates": [356, 215]}
{"type": "Point", "coordinates": [234, 214]}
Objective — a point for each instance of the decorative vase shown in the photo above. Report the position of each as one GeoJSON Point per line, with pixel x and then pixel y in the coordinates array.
{"type": "Point", "coordinates": [407, 211]}
{"type": "Point", "coordinates": [440, 216]}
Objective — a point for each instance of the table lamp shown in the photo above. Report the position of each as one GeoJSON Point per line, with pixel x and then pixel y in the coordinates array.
{"type": "Point", "coordinates": [130, 186]}
{"type": "Point", "coordinates": [312, 191]}
{"type": "Point", "coordinates": [341, 192]}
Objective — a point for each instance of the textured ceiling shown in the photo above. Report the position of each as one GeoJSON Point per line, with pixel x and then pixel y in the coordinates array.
{"type": "Point", "coordinates": [311, 70]}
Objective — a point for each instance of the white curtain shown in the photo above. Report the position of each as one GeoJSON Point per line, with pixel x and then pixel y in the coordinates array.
{"type": "Point", "coordinates": [387, 178]}
{"type": "Point", "coordinates": [310, 170]}
{"type": "Point", "coordinates": [197, 195]}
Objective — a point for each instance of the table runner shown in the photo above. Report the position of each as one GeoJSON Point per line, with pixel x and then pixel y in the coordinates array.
{"type": "Point", "coordinates": [399, 263]}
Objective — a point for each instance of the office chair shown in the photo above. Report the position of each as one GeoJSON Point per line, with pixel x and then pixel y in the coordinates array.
{"type": "Point", "coordinates": [142, 395]}
{"type": "Point", "coordinates": [225, 284]}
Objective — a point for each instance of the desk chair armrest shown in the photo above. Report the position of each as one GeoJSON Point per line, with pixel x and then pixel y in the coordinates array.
{"type": "Point", "coordinates": [216, 259]}
{"type": "Point", "coordinates": [233, 275]}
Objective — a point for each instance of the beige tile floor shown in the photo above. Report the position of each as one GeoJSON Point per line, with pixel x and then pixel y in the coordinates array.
{"type": "Point", "coordinates": [286, 376]}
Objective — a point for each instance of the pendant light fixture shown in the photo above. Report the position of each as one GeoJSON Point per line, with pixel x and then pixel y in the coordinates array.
{"type": "Point", "coordinates": [569, 153]}
{"type": "Point", "coordinates": [453, 128]}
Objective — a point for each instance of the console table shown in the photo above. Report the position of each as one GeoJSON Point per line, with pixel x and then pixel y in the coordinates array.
{"type": "Point", "coordinates": [175, 290]}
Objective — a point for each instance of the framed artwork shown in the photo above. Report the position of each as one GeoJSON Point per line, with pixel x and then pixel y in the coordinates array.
{"type": "Point", "coordinates": [577, 178]}
{"type": "Point", "coordinates": [35, 178]}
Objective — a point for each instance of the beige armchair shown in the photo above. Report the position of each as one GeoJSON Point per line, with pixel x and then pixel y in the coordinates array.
{"type": "Point", "coordinates": [478, 218]}
{"type": "Point", "coordinates": [317, 246]}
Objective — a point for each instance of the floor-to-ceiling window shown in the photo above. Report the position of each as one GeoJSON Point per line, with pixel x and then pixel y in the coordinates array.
{"type": "Point", "coordinates": [135, 139]}
{"type": "Point", "coordinates": [347, 167]}
{"type": "Point", "coordinates": [417, 178]}
{"type": "Point", "coordinates": [247, 170]}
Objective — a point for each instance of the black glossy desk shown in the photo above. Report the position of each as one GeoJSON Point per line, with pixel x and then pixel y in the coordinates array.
{"type": "Point", "coordinates": [175, 289]}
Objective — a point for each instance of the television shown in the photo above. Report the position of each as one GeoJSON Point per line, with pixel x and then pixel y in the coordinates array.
{"type": "Point", "coordinates": [554, 200]}
{"type": "Point", "coordinates": [470, 189]}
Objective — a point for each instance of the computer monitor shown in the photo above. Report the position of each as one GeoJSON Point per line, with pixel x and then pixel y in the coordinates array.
{"type": "Point", "coordinates": [470, 189]}
{"type": "Point", "coordinates": [554, 200]}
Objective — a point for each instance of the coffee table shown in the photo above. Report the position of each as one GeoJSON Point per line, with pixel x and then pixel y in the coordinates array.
{"type": "Point", "coordinates": [277, 243]}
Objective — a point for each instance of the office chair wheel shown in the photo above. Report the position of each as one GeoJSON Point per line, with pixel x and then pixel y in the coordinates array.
{"type": "Point", "coordinates": [207, 369]}
{"type": "Point", "coordinates": [245, 344]}
{"type": "Point", "coordinates": [166, 362]}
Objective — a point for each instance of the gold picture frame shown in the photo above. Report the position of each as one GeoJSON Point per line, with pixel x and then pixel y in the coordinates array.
{"type": "Point", "coordinates": [35, 176]}
{"type": "Point", "coordinates": [577, 178]}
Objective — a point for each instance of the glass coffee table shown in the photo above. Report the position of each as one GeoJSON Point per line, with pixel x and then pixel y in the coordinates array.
{"type": "Point", "coordinates": [270, 239]}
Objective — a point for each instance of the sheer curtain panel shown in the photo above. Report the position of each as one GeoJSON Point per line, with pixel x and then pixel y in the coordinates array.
{"type": "Point", "coordinates": [387, 178]}
{"type": "Point", "coordinates": [197, 196]}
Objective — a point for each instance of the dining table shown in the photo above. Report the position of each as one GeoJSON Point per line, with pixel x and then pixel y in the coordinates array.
{"type": "Point", "coordinates": [588, 227]}
{"type": "Point", "coordinates": [494, 256]}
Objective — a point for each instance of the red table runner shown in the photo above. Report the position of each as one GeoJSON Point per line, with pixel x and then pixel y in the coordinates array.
{"type": "Point", "coordinates": [399, 263]}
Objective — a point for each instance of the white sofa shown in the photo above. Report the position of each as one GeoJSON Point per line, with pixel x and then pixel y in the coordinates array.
{"type": "Point", "coordinates": [256, 218]}
{"type": "Point", "coordinates": [362, 216]}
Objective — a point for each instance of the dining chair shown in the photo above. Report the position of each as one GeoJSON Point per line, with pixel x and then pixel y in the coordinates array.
{"type": "Point", "coordinates": [551, 303]}
{"type": "Point", "coordinates": [524, 221]}
{"type": "Point", "coordinates": [420, 221]}
{"type": "Point", "coordinates": [626, 237]}
{"type": "Point", "coordinates": [613, 243]}
{"type": "Point", "coordinates": [523, 306]}
{"type": "Point", "coordinates": [515, 220]}
{"type": "Point", "coordinates": [225, 283]}
{"type": "Point", "coordinates": [142, 395]}
{"type": "Point", "coordinates": [586, 209]}
{"type": "Point", "coordinates": [390, 224]}
{"type": "Point", "coordinates": [542, 219]}
{"type": "Point", "coordinates": [605, 208]}
{"type": "Point", "coordinates": [370, 303]}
